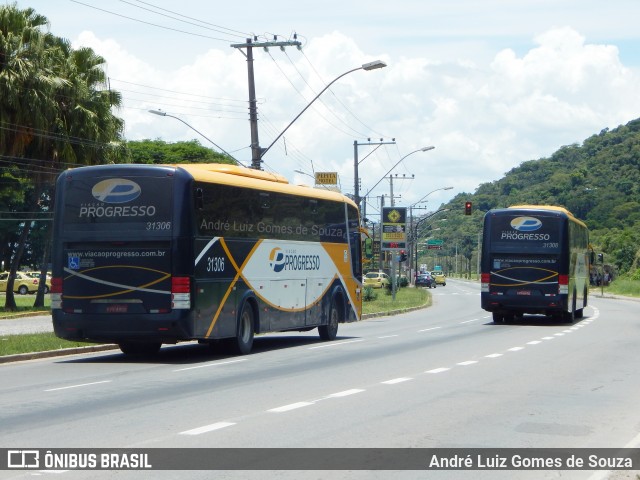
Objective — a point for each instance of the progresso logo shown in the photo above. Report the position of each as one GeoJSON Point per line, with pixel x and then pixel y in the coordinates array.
{"type": "Point", "coordinates": [276, 260]}
{"type": "Point", "coordinates": [526, 224]}
{"type": "Point", "coordinates": [116, 190]}
{"type": "Point", "coordinates": [291, 261]}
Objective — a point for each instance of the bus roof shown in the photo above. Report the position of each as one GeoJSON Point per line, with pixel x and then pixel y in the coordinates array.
{"type": "Point", "coordinates": [551, 208]}
{"type": "Point", "coordinates": [249, 178]}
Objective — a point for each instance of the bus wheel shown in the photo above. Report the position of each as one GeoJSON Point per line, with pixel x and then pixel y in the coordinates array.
{"type": "Point", "coordinates": [243, 341]}
{"type": "Point", "coordinates": [497, 317]}
{"type": "Point", "coordinates": [140, 348]}
{"type": "Point", "coordinates": [329, 331]}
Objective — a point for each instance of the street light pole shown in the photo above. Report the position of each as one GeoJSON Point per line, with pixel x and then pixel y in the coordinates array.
{"type": "Point", "coordinates": [165, 114]}
{"type": "Point", "coordinates": [415, 234]}
{"type": "Point", "coordinates": [356, 177]}
{"type": "Point", "coordinates": [415, 240]}
{"type": "Point", "coordinates": [367, 66]}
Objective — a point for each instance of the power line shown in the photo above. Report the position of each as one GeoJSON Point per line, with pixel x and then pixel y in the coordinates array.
{"type": "Point", "coordinates": [188, 94]}
{"type": "Point", "coordinates": [345, 107]}
{"type": "Point", "coordinates": [217, 28]}
{"type": "Point", "coordinates": [151, 23]}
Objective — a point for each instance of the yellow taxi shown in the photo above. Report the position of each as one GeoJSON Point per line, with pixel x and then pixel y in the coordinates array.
{"type": "Point", "coordinates": [439, 277]}
{"type": "Point", "coordinates": [47, 283]}
{"type": "Point", "coordinates": [376, 280]}
{"type": "Point", "coordinates": [22, 283]}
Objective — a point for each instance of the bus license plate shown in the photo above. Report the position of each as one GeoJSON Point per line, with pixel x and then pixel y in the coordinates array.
{"type": "Point", "coordinates": [523, 292]}
{"type": "Point", "coordinates": [117, 308]}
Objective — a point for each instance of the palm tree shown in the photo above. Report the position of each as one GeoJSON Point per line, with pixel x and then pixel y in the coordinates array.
{"type": "Point", "coordinates": [55, 111]}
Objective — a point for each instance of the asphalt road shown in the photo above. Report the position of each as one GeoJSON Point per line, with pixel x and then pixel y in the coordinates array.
{"type": "Point", "coordinates": [443, 377]}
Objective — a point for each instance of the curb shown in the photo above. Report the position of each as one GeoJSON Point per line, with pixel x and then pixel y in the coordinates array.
{"type": "Point", "coordinates": [56, 353]}
{"type": "Point", "coordinates": [101, 348]}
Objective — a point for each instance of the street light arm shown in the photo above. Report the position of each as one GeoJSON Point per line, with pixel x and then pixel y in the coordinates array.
{"type": "Point", "coordinates": [422, 220]}
{"type": "Point", "coordinates": [366, 66]}
{"type": "Point", "coordinates": [422, 199]}
{"type": "Point", "coordinates": [423, 149]}
{"type": "Point", "coordinates": [165, 114]}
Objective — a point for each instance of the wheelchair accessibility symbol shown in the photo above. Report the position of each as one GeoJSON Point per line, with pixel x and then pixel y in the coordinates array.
{"type": "Point", "coordinates": [74, 263]}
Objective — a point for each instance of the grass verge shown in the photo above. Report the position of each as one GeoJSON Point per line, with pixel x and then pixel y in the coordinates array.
{"type": "Point", "coordinates": [42, 342]}
{"type": "Point", "coordinates": [624, 286]}
{"type": "Point", "coordinates": [405, 298]}
{"type": "Point", "coordinates": [34, 342]}
{"type": "Point", "coordinates": [25, 306]}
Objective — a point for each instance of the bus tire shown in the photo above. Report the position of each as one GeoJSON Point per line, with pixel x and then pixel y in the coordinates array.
{"type": "Point", "coordinates": [140, 348]}
{"type": "Point", "coordinates": [330, 331]}
{"type": "Point", "coordinates": [243, 341]}
{"type": "Point", "coordinates": [498, 317]}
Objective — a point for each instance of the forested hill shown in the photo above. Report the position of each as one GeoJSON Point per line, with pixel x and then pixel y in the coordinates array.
{"type": "Point", "coordinates": [598, 181]}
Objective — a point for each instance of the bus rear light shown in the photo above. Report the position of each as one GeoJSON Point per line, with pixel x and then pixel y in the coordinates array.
{"type": "Point", "coordinates": [485, 279]}
{"type": "Point", "coordinates": [563, 284]}
{"type": "Point", "coordinates": [56, 285]}
{"type": "Point", "coordinates": [56, 293]}
{"type": "Point", "coordinates": [180, 285]}
{"type": "Point", "coordinates": [180, 293]}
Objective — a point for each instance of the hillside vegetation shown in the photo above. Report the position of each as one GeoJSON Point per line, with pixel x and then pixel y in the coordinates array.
{"type": "Point", "coordinates": [598, 181]}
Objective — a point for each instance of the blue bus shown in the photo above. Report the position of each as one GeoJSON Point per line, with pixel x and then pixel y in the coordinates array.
{"type": "Point", "coordinates": [535, 260]}
{"type": "Point", "coordinates": [145, 255]}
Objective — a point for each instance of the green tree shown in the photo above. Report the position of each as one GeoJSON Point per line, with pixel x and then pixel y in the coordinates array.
{"type": "Point", "coordinates": [159, 151]}
{"type": "Point", "coordinates": [55, 112]}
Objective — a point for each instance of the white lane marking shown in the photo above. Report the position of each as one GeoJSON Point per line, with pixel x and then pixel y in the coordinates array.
{"type": "Point", "coordinates": [393, 381]}
{"type": "Point", "coordinates": [548, 338]}
{"type": "Point", "coordinates": [336, 344]}
{"type": "Point", "coordinates": [77, 386]}
{"type": "Point", "coordinates": [568, 331]}
{"type": "Point", "coordinates": [534, 342]}
{"type": "Point", "coordinates": [437, 370]}
{"type": "Point", "coordinates": [346, 393]}
{"type": "Point", "coordinates": [429, 329]}
{"type": "Point", "coordinates": [468, 362]}
{"type": "Point", "coordinates": [559, 334]}
{"type": "Point", "coordinates": [516, 349]}
{"type": "Point", "coordinates": [207, 428]}
{"type": "Point", "coordinates": [389, 336]}
{"type": "Point", "coordinates": [291, 406]}
{"type": "Point", "coordinates": [493, 355]}
{"type": "Point", "coordinates": [215, 364]}
{"type": "Point", "coordinates": [469, 321]}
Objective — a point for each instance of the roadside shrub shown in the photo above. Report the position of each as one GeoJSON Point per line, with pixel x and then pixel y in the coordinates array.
{"type": "Point", "coordinates": [369, 294]}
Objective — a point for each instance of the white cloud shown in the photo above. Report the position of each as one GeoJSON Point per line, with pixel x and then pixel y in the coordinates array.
{"type": "Point", "coordinates": [484, 117]}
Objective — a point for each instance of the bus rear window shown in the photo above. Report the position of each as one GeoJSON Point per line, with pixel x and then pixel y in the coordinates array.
{"type": "Point", "coordinates": [132, 203]}
{"type": "Point", "coordinates": [516, 233]}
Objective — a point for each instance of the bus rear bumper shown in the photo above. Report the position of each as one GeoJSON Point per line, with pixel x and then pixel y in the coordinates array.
{"type": "Point", "coordinates": [163, 328]}
{"type": "Point", "coordinates": [524, 305]}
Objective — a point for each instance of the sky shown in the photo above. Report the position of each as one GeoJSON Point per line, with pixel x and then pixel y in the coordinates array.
{"type": "Point", "coordinates": [489, 84]}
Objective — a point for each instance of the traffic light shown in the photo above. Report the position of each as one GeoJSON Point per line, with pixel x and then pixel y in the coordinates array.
{"type": "Point", "coordinates": [403, 256]}
{"type": "Point", "coordinates": [467, 208]}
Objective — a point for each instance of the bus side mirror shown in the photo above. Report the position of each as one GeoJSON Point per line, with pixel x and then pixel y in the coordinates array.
{"type": "Point", "coordinates": [368, 247]}
{"type": "Point", "coordinates": [199, 200]}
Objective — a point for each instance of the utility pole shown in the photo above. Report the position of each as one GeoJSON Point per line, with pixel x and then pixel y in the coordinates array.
{"type": "Point", "coordinates": [403, 177]}
{"type": "Point", "coordinates": [256, 150]}
{"type": "Point", "coordinates": [356, 176]}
